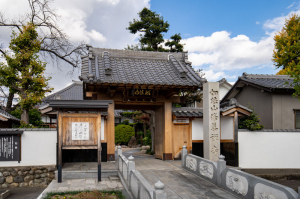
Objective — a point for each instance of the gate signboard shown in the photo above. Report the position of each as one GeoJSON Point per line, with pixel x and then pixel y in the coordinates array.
{"type": "Point", "coordinates": [10, 148]}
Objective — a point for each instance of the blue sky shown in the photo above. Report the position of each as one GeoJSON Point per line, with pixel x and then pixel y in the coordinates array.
{"type": "Point", "coordinates": [203, 18]}
{"type": "Point", "coordinates": [224, 38]}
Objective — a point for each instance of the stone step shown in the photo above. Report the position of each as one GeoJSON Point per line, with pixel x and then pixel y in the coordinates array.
{"type": "Point", "coordinates": [86, 174]}
{"type": "Point", "coordinates": [114, 178]}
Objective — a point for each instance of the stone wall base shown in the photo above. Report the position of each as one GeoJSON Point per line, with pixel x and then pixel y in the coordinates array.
{"type": "Point", "coordinates": [26, 176]}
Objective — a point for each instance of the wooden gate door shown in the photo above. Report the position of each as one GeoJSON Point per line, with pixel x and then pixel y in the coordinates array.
{"type": "Point", "coordinates": [181, 136]}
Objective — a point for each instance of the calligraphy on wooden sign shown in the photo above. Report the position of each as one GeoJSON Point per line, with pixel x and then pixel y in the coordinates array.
{"type": "Point", "coordinates": [140, 95]}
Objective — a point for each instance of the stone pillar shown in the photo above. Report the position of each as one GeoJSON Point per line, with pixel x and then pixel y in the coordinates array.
{"type": "Point", "coordinates": [221, 166]}
{"type": "Point", "coordinates": [159, 191]}
{"type": "Point", "coordinates": [131, 166]}
{"type": "Point", "coordinates": [119, 152]}
{"type": "Point", "coordinates": [211, 121]}
{"type": "Point", "coordinates": [183, 154]}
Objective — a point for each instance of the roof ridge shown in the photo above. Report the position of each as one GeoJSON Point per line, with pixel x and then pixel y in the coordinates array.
{"type": "Point", "coordinates": [271, 76]}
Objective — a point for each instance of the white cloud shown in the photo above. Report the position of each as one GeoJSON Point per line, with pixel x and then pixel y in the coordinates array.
{"type": "Point", "coordinates": [257, 22]}
{"type": "Point", "coordinates": [220, 52]}
{"type": "Point", "coordinates": [97, 36]}
{"type": "Point", "coordinates": [291, 5]}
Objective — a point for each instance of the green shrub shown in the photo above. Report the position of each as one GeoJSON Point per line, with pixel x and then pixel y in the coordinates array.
{"type": "Point", "coordinates": [123, 134]}
{"type": "Point", "coordinates": [250, 122]}
{"type": "Point", "coordinates": [147, 140]}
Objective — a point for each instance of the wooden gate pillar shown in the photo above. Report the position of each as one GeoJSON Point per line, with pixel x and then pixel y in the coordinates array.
{"type": "Point", "coordinates": [168, 140]}
{"type": "Point", "coordinates": [111, 132]}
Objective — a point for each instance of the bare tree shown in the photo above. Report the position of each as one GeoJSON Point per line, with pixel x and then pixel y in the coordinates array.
{"type": "Point", "coordinates": [55, 43]}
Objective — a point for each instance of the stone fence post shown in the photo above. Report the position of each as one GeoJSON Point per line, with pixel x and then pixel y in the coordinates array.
{"type": "Point", "coordinates": [119, 152]}
{"type": "Point", "coordinates": [183, 154]}
{"type": "Point", "coordinates": [159, 191]}
{"type": "Point", "coordinates": [131, 166]}
{"type": "Point", "coordinates": [221, 166]}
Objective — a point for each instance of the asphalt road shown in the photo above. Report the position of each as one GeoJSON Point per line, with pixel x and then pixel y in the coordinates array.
{"type": "Point", "coordinates": [24, 192]}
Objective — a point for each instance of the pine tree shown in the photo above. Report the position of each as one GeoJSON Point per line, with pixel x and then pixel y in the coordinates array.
{"type": "Point", "coordinates": [153, 25]}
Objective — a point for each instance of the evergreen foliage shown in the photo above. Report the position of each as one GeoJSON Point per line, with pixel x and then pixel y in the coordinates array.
{"type": "Point", "coordinates": [177, 46]}
{"type": "Point", "coordinates": [153, 25]}
{"type": "Point", "coordinates": [24, 72]}
{"type": "Point", "coordinates": [34, 116]}
{"type": "Point", "coordinates": [286, 54]}
{"type": "Point", "coordinates": [123, 134]}
{"type": "Point", "coordinates": [250, 122]}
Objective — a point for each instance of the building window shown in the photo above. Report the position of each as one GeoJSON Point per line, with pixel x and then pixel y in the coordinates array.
{"type": "Point", "coordinates": [297, 119]}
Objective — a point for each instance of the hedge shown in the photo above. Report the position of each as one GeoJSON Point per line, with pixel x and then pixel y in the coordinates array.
{"type": "Point", "coordinates": [123, 134]}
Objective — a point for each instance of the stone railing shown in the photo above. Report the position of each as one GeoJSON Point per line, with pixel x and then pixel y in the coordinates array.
{"type": "Point", "coordinates": [239, 183]}
{"type": "Point", "coordinates": [138, 186]}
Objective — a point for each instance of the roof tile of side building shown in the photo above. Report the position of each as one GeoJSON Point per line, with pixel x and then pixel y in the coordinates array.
{"type": "Point", "coordinates": [8, 116]}
{"type": "Point", "coordinates": [269, 81]}
{"type": "Point", "coordinates": [138, 67]}
{"type": "Point", "coordinates": [187, 112]}
{"type": "Point", "coordinates": [71, 92]}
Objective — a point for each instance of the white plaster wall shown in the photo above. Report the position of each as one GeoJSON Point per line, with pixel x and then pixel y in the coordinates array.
{"type": "Point", "coordinates": [37, 148]}
{"type": "Point", "coordinates": [269, 149]}
{"type": "Point", "coordinates": [197, 129]}
{"type": "Point", "coordinates": [222, 92]}
{"type": "Point", "coordinates": [45, 119]}
{"type": "Point", "coordinates": [226, 128]}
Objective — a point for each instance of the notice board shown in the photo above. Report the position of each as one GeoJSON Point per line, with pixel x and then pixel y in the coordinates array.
{"type": "Point", "coordinates": [10, 148]}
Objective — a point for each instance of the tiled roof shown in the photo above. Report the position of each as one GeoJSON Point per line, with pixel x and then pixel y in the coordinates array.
{"type": "Point", "coordinates": [8, 116]}
{"type": "Point", "coordinates": [269, 81]}
{"type": "Point", "coordinates": [232, 103]}
{"type": "Point", "coordinates": [187, 112]}
{"type": "Point", "coordinates": [224, 81]}
{"type": "Point", "coordinates": [72, 92]}
{"type": "Point", "coordinates": [138, 67]}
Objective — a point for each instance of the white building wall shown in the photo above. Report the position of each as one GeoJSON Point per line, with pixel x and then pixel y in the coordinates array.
{"type": "Point", "coordinates": [197, 129]}
{"type": "Point", "coordinates": [222, 92]}
{"type": "Point", "coordinates": [37, 148]}
{"type": "Point", "coordinates": [227, 128]}
{"type": "Point", "coordinates": [269, 149]}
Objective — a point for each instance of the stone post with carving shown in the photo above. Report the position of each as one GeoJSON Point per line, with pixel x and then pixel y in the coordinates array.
{"type": "Point", "coordinates": [183, 154]}
{"type": "Point", "coordinates": [221, 166]}
{"type": "Point", "coordinates": [119, 152]}
{"type": "Point", "coordinates": [159, 191]}
{"type": "Point", "coordinates": [211, 121]}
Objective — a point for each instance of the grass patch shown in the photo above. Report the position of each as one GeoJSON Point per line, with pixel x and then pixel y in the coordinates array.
{"type": "Point", "coordinates": [85, 195]}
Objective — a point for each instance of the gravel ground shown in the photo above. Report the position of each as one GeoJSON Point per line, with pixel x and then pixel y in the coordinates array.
{"type": "Point", "coordinates": [24, 192]}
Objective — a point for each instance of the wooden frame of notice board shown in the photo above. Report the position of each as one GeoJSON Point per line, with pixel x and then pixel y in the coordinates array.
{"type": "Point", "coordinates": [78, 127]}
{"type": "Point", "coordinates": [10, 145]}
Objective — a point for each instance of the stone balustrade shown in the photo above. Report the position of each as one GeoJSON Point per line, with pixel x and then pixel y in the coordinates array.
{"type": "Point", "coordinates": [239, 183]}
{"type": "Point", "coordinates": [138, 186]}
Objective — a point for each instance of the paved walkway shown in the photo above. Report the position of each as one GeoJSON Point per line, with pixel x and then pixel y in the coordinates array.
{"type": "Point", "coordinates": [178, 182]}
